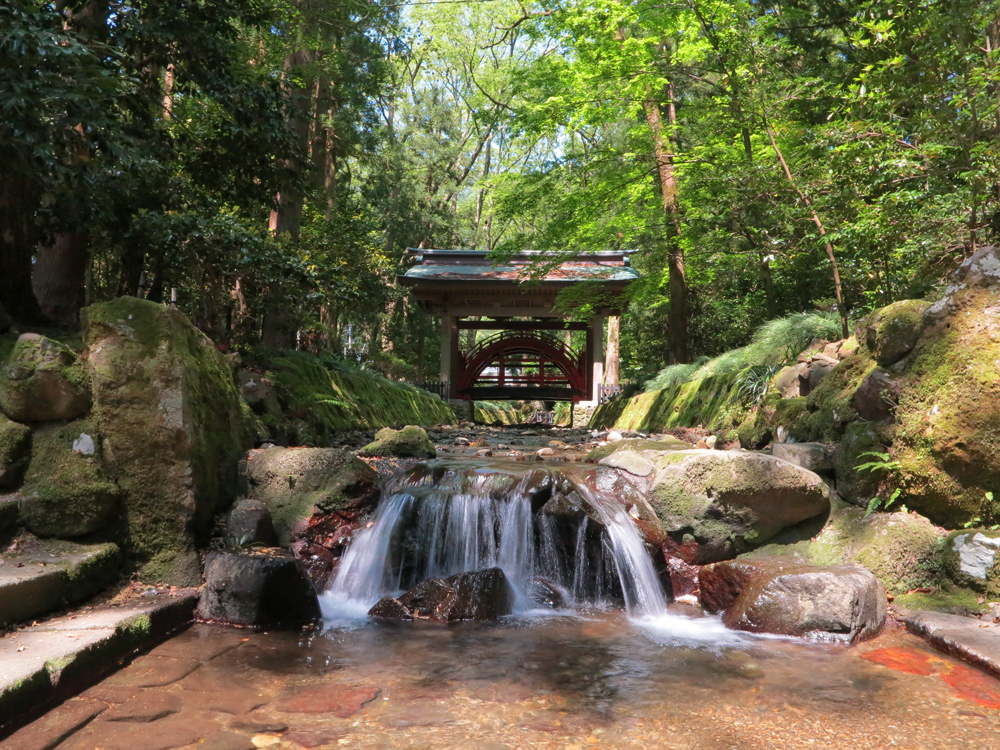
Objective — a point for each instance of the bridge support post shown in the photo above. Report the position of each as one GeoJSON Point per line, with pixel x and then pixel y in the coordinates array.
{"type": "Point", "coordinates": [595, 356]}
{"type": "Point", "coordinates": [449, 343]}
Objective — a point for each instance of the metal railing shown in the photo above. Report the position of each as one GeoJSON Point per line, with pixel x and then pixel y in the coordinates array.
{"type": "Point", "coordinates": [440, 389]}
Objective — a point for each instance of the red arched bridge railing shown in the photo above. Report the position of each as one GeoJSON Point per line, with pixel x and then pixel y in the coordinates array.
{"type": "Point", "coordinates": [521, 365]}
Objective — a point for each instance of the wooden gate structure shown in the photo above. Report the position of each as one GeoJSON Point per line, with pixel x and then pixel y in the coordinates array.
{"type": "Point", "coordinates": [527, 355]}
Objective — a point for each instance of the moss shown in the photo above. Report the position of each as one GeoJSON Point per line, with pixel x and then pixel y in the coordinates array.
{"type": "Point", "coordinates": [67, 494]}
{"type": "Point", "coordinates": [409, 442]}
{"type": "Point", "coordinates": [713, 402]}
{"type": "Point", "coordinates": [501, 412]}
{"type": "Point", "coordinates": [789, 415]}
{"type": "Point", "coordinates": [754, 432]}
{"type": "Point", "coordinates": [859, 486]}
{"type": "Point", "coordinates": [15, 451]}
{"type": "Point", "coordinates": [172, 424]}
{"type": "Point", "coordinates": [637, 444]}
{"type": "Point", "coordinates": [952, 563]}
{"type": "Point", "coordinates": [43, 379]}
{"type": "Point", "coordinates": [94, 572]}
{"type": "Point", "coordinates": [892, 331]}
{"type": "Point", "coordinates": [830, 409]}
{"type": "Point", "coordinates": [948, 598]}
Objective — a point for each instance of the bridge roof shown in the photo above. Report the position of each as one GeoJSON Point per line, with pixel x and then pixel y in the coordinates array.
{"type": "Point", "coordinates": [435, 267]}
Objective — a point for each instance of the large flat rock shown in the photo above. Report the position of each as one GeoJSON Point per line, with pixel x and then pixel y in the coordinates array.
{"type": "Point", "coordinates": [47, 574]}
{"type": "Point", "coordinates": [973, 640]}
{"type": "Point", "coordinates": [53, 660]}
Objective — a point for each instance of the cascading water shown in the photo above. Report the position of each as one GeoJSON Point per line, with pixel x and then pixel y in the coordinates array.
{"type": "Point", "coordinates": [536, 525]}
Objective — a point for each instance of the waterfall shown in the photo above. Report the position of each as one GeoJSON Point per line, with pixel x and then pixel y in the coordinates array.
{"type": "Point", "coordinates": [441, 520]}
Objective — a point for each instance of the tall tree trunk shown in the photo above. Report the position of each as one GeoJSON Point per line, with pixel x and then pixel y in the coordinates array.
{"type": "Point", "coordinates": [845, 328]}
{"type": "Point", "coordinates": [676, 280]}
{"type": "Point", "coordinates": [19, 199]}
{"type": "Point", "coordinates": [59, 278]}
{"type": "Point", "coordinates": [611, 351]}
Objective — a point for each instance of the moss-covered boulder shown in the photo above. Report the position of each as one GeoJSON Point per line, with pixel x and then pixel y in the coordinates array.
{"type": "Point", "coordinates": [947, 433]}
{"type": "Point", "coordinates": [858, 486]}
{"type": "Point", "coordinates": [905, 551]}
{"type": "Point", "coordinates": [891, 332]}
{"type": "Point", "coordinates": [829, 405]}
{"type": "Point", "coordinates": [15, 451]}
{"type": "Point", "coordinates": [409, 442]}
{"type": "Point", "coordinates": [648, 449]}
{"type": "Point", "coordinates": [43, 380]}
{"type": "Point", "coordinates": [68, 490]}
{"type": "Point", "coordinates": [298, 483]}
{"type": "Point", "coordinates": [173, 430]}
{"type": "Point", "coordinates": [972, 559]}
{"type": "Point", "coordinates": [728, 502]}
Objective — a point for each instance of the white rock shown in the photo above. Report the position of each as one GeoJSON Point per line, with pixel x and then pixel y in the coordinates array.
{"type": "Point", "coordinates": [614, 436]}
{"type": "Point", "coordinates": [84, 444]}
{"type": "Point", "coordinates": [976, 555]}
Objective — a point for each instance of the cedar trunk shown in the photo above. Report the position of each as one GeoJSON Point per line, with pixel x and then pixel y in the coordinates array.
{"type": "Point", "coordinates": [59, 278]}
{"type": "Point", "coordinates": [19, 198]}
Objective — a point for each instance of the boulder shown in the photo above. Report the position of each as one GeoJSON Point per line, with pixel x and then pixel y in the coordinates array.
{"type": "Point", "coordinates": [891, 332]}
{"type": "Point", "coordinates": [817, 367]}
{"type": "Point", "coordinates": [389, 609]}
{"type": "Point", "coordinates": [728, 502]}
{"type": "Point", "coordinates": [172, 426]}
{"type": "Point", "coordinates": [836, 602]}
{"type": "Point", "coordinates": [546, 593]}
{"type": "Point", "coordinates": [876, 398]}
{"type": "Point", "coordinates": [858, 486]}
{"type": "Point", "coordinates": [43, 380]}
{"type": "Point", "coordinates": [720, 584]}
{"type": "Point", "coordinates": [431, 599]}
{"type": "Point", "coordinates": [297, 483]}
{"type": "Point", "coordinates": [260, 588]}
{"type": "Point", "coordinates": [67, 493]}
{"type": "Point", "coordinates": [260, 395]}
{"type": "Point", "coordinates": [947, 431]}
{"type": "Point", "coordinates": [318, 562]}
{"type": "Point", "coordinates": [629, 461]}
{"type": "Point", "coordinates": [15, 451]}
{"type": "Point", "coordinates": [786, 382]}
{"type": "Point", "coordinates": [970, 558]}
{"type": "Point", "coordinates": [409, 442]}
{"type": "Point", "coordinates": [815, 457]}
{"type": "Point", "coordinates": [248, 523]}
{"type": "Point", "coordinates": [482, 595]}
{"type": "Point", "coordinates": [644, 448]}
{"type": "Point", "coordinates": [905, 551]}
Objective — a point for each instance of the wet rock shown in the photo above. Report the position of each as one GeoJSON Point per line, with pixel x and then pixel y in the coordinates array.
{"type": "Point", "coordinates": [431, 599]}
{"type": "Point", "coordinates": [43, 380]}
{"type": "Point", "coordinates": [318, 561]}
{"type": "Point", "coordinates": [389, 609]}
{"type": "Point", "coordinates": [728, 502]}
{"type": "Point", "coordinates": [265, 588]}
{"type": "Point", "coordinates": [145, 707]}
{"type": "Point", "coordinates": [172, 426]}
{"type": "Point", "coordinates": [891, 332]}
{"type": "Point", "coordinates": [629, 461]}
{"type": "Point", "coordinates": [409, 442]}
{"type": "Point", "coordinates": [876, 398]}
{"type": "Point", "coordinates": [15, 451]}
{"type": "Point", "coordinates": [721, 583]}
{"type": "Point", "coordinates": [546, 593]}
{"type": "Point", "coordinates": [249, 523]}
{"type": "Point", "coordinates": [787, 598]}
{"type": "Point", "coordinates": [297, 483]}
{"type": "Point", "coordinates": [815, 457]}
{"type": "Point", "coordinates": [482, 595]}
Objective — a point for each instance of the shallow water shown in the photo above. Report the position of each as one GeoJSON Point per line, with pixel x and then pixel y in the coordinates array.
{"type": "Point", "coordinates": [553, 681]}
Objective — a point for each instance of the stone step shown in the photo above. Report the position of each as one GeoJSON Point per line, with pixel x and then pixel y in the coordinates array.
{"type": "Point", "coordinates": [968, 638]}
{"type": "Point", "coordinates": [42, 575]}
{"type": "Point", "coordinates": [54, 660]}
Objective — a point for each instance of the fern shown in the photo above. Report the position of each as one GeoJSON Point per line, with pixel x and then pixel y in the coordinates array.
{"type": "Point", "coordinates": [884, 462]}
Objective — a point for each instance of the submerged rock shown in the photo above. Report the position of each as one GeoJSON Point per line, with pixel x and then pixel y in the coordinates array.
{"type": "Point", "coordinates": [263, 588]}
{"type": "Point", "coordinates": [297, 483]}
{"type": "Point", "coordinates": [409, 442]}
{"type": "Point", "coordinates": [729, 502]}
{"type": "Point", "coordinates": [43, 380]}
{"type": "Point", "coordinates": [788, 598]}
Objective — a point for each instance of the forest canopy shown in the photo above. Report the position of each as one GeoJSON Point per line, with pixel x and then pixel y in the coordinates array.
{"type": "Point", "coordinates": [271, 162]}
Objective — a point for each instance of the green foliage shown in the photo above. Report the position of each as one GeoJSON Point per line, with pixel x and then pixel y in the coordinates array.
{"type": "Point", "coordinates": [883, 463]}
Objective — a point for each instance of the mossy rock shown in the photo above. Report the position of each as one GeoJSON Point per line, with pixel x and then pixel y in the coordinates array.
{"type": "Point", "coordinates": [409, 442]}
{"type": "Point", "coordinates": [787, 419]}
{"type": "Point", "coordinates": [43, 380]}
{"type": "Point", "coordinates": [754, 432]}
{"type": "Point", "coordinates": [173, 430]}
{"type": "Point", "coordinates": [854, 485]}
{"type": "Point", "coordinates": [297, 483]}
{"type": "Point", "coordinates": [15, 451]}
{"type": "Point", "coordinates": [947, 432]}
{"type": "Point", "coordinates": [891, 332]}
{"type": "Point", "coordinates": [905, 551]}
{"type": "Point", "coordinates": [67, 493]}
{"type": "Point", "coordinates": [972, 560]}
{"type": "Point", "coordinates": [731, 501]}
{"type": "Point", "coordinates": [829, 405]}
{"type": "Point", "coordinates": [646, 448]}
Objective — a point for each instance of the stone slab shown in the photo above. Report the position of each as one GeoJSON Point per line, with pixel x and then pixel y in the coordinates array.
{"type": "Point", "coordinates": [968, 638]}
{"type": "Point", "coordinates": [45, 663]}
{"type": "Point", "coordinates": [47, 574]}
{"type": "Point", "coordinates": [55, 726]}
